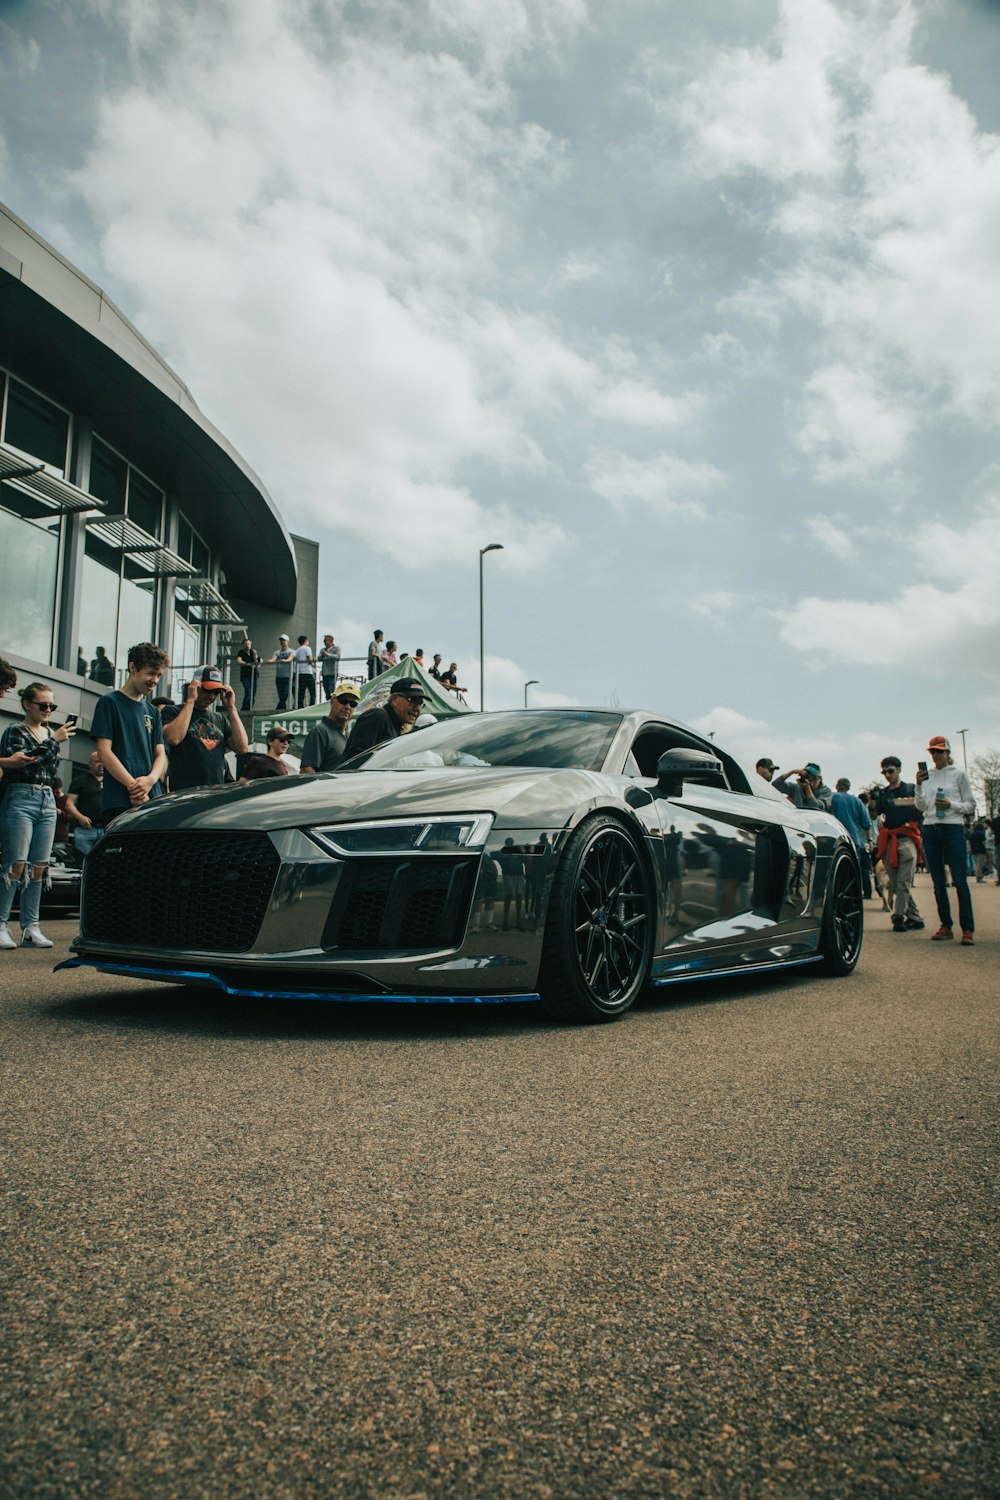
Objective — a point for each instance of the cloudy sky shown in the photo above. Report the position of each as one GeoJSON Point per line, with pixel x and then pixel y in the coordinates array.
{"type": "Point", "coordinates": [692, 308]}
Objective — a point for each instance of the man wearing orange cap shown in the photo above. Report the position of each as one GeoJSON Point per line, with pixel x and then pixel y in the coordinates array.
{"type": "Point", "coordinates": [945, 796]}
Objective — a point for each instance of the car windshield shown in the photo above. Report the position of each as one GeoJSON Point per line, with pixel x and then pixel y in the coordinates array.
{"type": "Point", "coordinates": [559, 740]}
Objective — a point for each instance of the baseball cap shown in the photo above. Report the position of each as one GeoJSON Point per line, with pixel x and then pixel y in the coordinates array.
{"type": "Point", "coordinates": [282, 638]}
{"type": "Point", "coordinates": [938, 742]}
{"type": "Point", "coordinates": [408, 687]}
{"type": "Point", "coordinates": [210, 679]}
{"type": "Point", "coordinates": [347, 689]}
{"type": "Point", "coordinates": [767, 764]}
{"type": "Point", "coordinates": [812, 768]}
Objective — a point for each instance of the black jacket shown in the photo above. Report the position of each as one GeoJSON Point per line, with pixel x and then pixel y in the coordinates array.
{"type": "Point", "coordinates": [373, 727]}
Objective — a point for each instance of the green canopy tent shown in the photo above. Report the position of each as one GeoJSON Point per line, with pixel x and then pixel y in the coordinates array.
{"type": "Point", "coordinates": [374, 694]}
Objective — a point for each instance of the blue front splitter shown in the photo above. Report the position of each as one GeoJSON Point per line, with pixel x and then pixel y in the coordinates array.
{"type": "Point", "coordinates": [196, 976]}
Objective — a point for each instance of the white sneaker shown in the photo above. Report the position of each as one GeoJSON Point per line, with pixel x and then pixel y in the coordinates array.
{"type": "Point", "coordinates": [6, 941]}
{"type": "Point", "coordinates": [34, 937]}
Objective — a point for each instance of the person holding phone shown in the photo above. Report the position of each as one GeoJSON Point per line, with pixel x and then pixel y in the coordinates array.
{"type": "Point", "coordinates": [945, 796]}
{"type": "Point", "coordinates": [29, 755]}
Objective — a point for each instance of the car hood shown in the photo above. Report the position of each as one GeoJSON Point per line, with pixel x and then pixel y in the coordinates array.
{"type": "Point", "coordinates": [538, 796]}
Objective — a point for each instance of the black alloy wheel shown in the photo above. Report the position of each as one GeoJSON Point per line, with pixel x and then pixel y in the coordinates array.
{"type": "Point", "coordinates": [843, 916]}
{"type": "Point", "coordinates": [599, 931]}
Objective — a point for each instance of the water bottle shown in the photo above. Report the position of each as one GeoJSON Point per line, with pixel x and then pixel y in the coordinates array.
{"type": "Point", "coordinates": [939, 798]}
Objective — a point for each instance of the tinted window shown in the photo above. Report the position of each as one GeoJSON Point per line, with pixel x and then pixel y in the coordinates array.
{"type": "Point", "coordinates": [108, 477]}
{"type": "Point", "coordinates": [36, 426]}
{"type": "Point", "coordinates": [578, 741]}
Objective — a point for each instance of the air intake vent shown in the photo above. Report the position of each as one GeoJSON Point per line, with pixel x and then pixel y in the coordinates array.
{"type": "Point", "coordinates": [387, 905]}
{"type": "Point", "coordinates": [189, 891]}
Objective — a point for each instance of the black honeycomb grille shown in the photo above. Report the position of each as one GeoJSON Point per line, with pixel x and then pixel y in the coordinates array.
{"type": "Point", "coordinates": [388, 905]}
{"type": "Point", "coordinates": [205, 891]}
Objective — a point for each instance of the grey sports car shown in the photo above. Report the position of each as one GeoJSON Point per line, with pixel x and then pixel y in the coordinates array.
{"type": "Point", "coordinates": [574, 856]}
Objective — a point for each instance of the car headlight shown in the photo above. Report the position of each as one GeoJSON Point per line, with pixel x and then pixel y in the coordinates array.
{"type": "Point", "coordinates": [452, 834]}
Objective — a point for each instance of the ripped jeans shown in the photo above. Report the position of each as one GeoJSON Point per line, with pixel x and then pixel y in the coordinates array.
{"type": "Point", "coordinates": [27, 828]}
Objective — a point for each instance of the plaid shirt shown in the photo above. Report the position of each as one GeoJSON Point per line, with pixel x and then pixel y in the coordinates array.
{"type": "Point", "coordinates": [44, 754]}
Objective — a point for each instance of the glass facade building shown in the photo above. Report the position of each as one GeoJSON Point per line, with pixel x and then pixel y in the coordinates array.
{"type": "Point", "coordinates": [124, 515]}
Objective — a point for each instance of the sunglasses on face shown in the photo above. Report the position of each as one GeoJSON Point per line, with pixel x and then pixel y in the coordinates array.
{"type": "Point", "coordinates": [43, 708]}
{"type": "Point", "coordinates": [351, 701]}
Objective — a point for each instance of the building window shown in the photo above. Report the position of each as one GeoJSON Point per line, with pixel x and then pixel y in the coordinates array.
{"type": "Point", "coordinates": [108, 477]}
{"type": "Point", "coordinates": [145, 504]}
{"type": "Point", "coordinates": [29, 557]}
{"type": "Point", "coordinates": [119, 596]}
{"type": "Point", "coordinates": [192, 548]}
{"type": "Point", "coordinates": [36, 426]}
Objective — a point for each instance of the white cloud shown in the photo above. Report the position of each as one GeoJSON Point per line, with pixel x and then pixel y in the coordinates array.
{"type": "Point", "coordinates": [831, 536]}
{"type": "Point", "coordinates": [948, 626]}
{"type": "Point", "coordinates": [848, 427]}
{"type": "Point", "coordinates": [665, 484]}
{"type": "Point", "coordinates": [727, 723]}
{"type": "Point", "coordinates": [638, 405]}
{"type": "Point", "coordinates": [739, 113]}
{"type": "Point", "coordinates": [886, 197]}
{"type": "Point", "coordinates": [716, 604]}
{"type": "Point", "coordinates": [505, 680]}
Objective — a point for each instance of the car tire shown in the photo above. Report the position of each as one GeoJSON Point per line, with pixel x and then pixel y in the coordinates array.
{"type": "Point", "coordinates": [599, 928]}
{"type": "Point", "coordinates": [842, 930]}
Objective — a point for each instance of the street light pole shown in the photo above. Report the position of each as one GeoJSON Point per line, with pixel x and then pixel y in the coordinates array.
{"type": "Point", "coordinates": [530, 683]}
{"type": "Point", "coordinates": [965, 761]}
{"type": "Point", "coordinates": [491, 547]}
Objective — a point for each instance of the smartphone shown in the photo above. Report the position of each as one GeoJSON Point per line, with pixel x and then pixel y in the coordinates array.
{"type": "Point", "coordinates": [922, 766]}
{"type": "Point", "coordinates": [72, 720]}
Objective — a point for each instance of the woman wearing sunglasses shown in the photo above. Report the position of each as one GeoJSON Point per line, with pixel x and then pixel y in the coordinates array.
{"type": "Point", "coordinates": [29, 756]}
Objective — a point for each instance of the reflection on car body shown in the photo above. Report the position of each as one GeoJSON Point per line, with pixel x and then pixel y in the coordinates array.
{"type": "Point", "coordinates": [644, 854]}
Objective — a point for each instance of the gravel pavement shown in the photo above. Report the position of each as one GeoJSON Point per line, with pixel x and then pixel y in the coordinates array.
{"type": "Point", "coordinates": [742, 1243]}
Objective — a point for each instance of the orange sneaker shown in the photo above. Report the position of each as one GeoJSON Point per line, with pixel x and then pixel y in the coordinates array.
{"type": "Point", "coordinates": [968, 939]}
{"type": "Point", "coordinates": [941, 934]}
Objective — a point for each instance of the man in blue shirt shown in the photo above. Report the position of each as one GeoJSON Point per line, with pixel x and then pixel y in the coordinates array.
{"type": "Point", "coordinates": [128, 732]}
{"type": "Point", "coordinates": [853, 813]}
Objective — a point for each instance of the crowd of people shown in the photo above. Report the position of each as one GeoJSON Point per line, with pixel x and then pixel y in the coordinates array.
{"type": "Point", "coordinates": [383, 656]}
{"type": "Point", "coordinates": [301, 672]}
{"type": "Point", "coordinates": [901, 827]}
{"type": "Point", "coordinates": [147, 747]}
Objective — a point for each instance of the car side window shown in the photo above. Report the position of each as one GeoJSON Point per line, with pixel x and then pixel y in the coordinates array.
{"type": "Point", "coordinates": [652, 741]}
{"type": "Point", "coordinates": [647, 747]}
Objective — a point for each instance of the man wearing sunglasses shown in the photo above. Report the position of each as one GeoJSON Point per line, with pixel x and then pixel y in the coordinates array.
{"type": "Point", "coordinates": [945, 796]}
{"type": "Point", "coordinates": [326, 745]}
{"type": "Point", "coordinates": [899, 847]}
{"type": "Point", "coordinates": [376, 725]}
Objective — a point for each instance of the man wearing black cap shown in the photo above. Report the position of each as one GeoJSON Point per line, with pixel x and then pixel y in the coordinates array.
{"type": "Point", "coordinates": [199, 731]}
{"type": "Point", "coordinates": [765, 768]}
{"type": "Point", "coordinates": [376, 725]}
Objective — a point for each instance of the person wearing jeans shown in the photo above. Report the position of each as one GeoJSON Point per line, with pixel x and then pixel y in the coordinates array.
{"type": "Point", "coordinates": [30, 755]}
{"type": "Point", "coordinates": [945, 797]}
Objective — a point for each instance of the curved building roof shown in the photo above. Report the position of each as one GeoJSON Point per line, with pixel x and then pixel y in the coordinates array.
{"type": "Point", "coordinates": [60, 333]}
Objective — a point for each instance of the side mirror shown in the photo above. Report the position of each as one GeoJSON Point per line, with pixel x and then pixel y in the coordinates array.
{"type": "Point", "coordinates": [677, 766]}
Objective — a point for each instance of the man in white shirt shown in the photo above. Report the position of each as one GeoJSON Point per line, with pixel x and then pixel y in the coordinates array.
{"type": "Point", "coordinates": [945, 796]}
{"type": "Point", "coordinates": [305, 667]}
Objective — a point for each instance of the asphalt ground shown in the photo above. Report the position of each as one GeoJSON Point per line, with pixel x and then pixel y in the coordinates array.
{"type": "Point", "coordinates": [742, 1243]}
